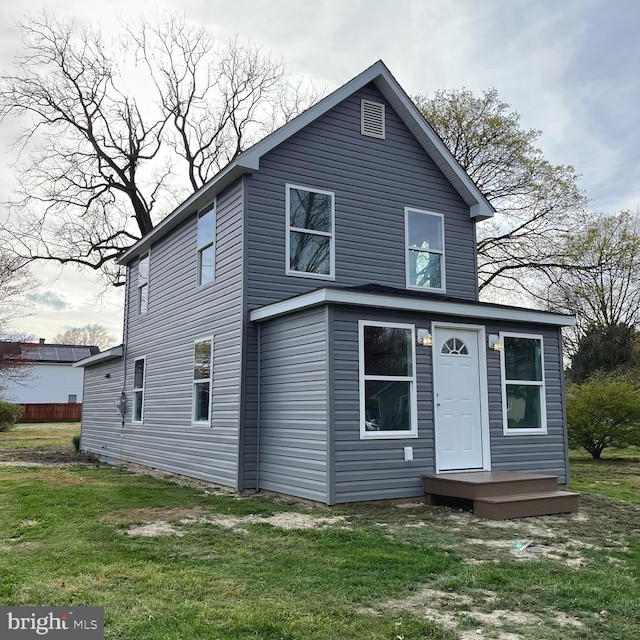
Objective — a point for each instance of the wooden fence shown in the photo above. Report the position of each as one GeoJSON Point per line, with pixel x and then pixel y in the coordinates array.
{"type": "Point", "coordinates": [53, 412]}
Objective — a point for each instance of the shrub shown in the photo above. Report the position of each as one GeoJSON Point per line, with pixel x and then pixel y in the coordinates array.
{"type": "Point", "coordinates": [9, 414]}
{"type": "Point", "coordinates": [76, 443]}
{"type": "Point", "coordinates": [603, 412]}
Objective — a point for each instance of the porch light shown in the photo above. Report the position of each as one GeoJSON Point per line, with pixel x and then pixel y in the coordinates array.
{"type": "Point", "coordinates": [494, 342]}
{"type": "Point", "coordinates": [425, 338]}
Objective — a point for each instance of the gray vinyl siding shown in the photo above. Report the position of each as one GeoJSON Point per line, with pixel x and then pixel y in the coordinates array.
{"type": "Point", "coordinates": [375, 469]}
{"type": "Point", "coordinates": [180, 313]}
{"type": "Point", "coordinates": [101, 420]}
{"type": "Point", "coordinates": [535, 453]}
{"type": "Point", "coordinates": [373, 181]}
{"type": "Point", "coordinates": [293, 405]}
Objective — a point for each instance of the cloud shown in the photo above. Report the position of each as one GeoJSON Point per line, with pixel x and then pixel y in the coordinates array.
{"type": "Point", "coordinates": [49, 299]}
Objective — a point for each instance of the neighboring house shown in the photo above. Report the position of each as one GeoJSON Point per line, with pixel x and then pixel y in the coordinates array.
{"type": "Point", "coordinates": [46, 374]}
{"type": "Point", "coordinates": [308, 321]}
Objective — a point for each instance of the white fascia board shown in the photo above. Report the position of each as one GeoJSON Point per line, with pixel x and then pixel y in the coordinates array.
{"type": "Point", "coordinates": [98, 358]}
{"type": "Point", "coordinates": [206, 194]}
{"type": "Point", "coordinates": [458, 309]}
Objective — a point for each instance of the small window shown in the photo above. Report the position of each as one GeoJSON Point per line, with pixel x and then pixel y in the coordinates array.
{"type": "Point", "coordinates": [138, 390]}
{"type": "Point", "coordinates": [73, 398]}
{"type": "Point", "coordinates": [310, 237]}
{"type": "Point", "coordinates": [206, 245]}
{"type": "Point", "coordinates": [143, 284]}
{"type": "Point", "coordinates": [202, 358]}
{"type": "Point", "coordinates": [425, 250]}
{"type": "Point", "coordinates": [455, 347]}
{"type": "Point", "coordinates": [372, 119]}
{"type": "Point", "coordinates": [523, 388]}
{"type": "Point", "coordinates": [387, 381]}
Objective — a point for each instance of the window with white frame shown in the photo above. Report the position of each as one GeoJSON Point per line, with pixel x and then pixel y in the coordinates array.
{"type": "Point", "coordinates": [387, 380]}
{"type": "Point", "coordinates": [143, 284]}
{"type": "Point", "coordinates": [138, 389]}
{"type": "Point", "coordinates": [206, 245]}
{"type": "Point", "coordinates": [523, 389]}
{"type": "Point", "coordinates": [424, 249]}
{"type": "Point", "coordinates": [202, 359]}
{"type": "Point", "coordinates": [310, 232]}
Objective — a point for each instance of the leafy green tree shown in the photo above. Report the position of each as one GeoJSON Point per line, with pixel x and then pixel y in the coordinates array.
{"type": "Point", "coordinates": [537, 202]}
{"type": "Point", "coordinates": [9, 414]}
{"type": "Point", "coordinates": [603, 412]}
{"type": "Point", "coordinates": [611, 349]}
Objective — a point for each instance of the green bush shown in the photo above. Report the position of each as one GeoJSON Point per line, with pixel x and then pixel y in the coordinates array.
{"type": "Point", "coordinates": [9, 414]}
{"type": "Point", "coordinates": [603, 412]}
{"type": "Point", "coordinates": [76, 443]}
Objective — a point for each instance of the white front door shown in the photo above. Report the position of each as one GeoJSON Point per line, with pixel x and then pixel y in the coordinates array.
{"type": "Point", "coordinates": [457, 388]}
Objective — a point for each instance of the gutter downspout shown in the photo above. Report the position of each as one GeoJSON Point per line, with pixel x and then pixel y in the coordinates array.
{"type": "Point", "coordinates": [125, 334]}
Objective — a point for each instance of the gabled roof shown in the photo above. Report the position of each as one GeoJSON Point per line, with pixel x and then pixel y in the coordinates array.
{"type": "Point", "coordinates": [249, 160]}
{"type": "Point", "coordinates": [34, 352]}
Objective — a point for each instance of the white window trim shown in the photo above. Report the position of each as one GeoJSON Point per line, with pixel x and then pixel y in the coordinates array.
{"type": "Point", "coordinates": [135, 389]}
{"type": "Point", "coordinates": [542, 430]}
{"type": "Point", "coordinates": [408, 249]}
{"type": "Point", "coordinates": [332, 235]}
{"type": "Point", "coordinates": [194, 383]}
{"type": "Point", "coordinates": [201, 247]}
{"type": "Point", "coordinates": [143, 282]}
{"type": "Point", "coordinates": [387, 435]}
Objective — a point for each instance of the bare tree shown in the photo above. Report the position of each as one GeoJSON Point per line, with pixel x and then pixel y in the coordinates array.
{"type": "Point", "coordinates": [537, 202]}
{"type": "Point", "coordinates": [91, 335]}
{"type": "Point", "coordinates": [99, 163]}
{"type": "Point", "coordinates": [602, 289]}
{"type": "Point", "coordinates": [14, 281]}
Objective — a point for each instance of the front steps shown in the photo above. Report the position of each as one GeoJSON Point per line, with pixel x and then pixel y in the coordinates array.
{"type": "Point", "coordinates": [501, 495]}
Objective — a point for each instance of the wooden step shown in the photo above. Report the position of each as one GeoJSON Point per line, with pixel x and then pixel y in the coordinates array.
{"type": "Point", "coordinates": [478, 484]}
{"type": "Point", "coordinates": [525, 505]}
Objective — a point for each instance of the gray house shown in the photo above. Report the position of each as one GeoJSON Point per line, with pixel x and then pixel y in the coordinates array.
{"type": "Point", "coordinates": [308, 322]}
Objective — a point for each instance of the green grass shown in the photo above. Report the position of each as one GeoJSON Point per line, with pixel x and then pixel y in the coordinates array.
{"type": "Point", "coordinates": [381, 572]}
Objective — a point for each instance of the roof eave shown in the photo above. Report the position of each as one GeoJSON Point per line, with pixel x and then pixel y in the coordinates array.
{"type": "Point", "coordinates": [104, 356]}
{"type": "Point", "coordinates": [387, 301]}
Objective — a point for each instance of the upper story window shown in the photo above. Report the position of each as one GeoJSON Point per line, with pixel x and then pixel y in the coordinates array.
{"type": "Point", "coordinates": [143, 284]}
{"type": "Point", "coordinates": [310, 232]}
{"type": "Point", "coordinates": [425, 250]}
{"type": "Point", "coordinates": [523, 388]}
{"type": "Point", "coordinates": [202, 357]}
{"type": "Point", "coordinates": [387, 381]}
{"type": "Point", "coordinates": [206, 245]}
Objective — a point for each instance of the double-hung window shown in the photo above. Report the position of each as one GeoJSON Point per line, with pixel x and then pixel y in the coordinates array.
{"type": "Point", "coordinates": [143, 284]}
{"type": "Point", "coordinates": [310, 232]}
{"type": "Point", "coordinates": [202, 359]}
{"type": "Point", "coordinates": [523, 389]}
{"type": "Point", "coordinates": [206, 245]}
{"type": "Point", "coordinates": [387, 381]}
{"type": "Point", "coordinates": [138, 390]}
{"type": "Point", "coordinates": [424, 249]}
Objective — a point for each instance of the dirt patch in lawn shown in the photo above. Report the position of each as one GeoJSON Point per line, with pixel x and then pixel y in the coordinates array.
{"type": "Point", "coordinates": [156, 521]}
{"type": "Point", "coordinates": [163, 521]}
{"type": "Point", "coordinates": [453, 610]}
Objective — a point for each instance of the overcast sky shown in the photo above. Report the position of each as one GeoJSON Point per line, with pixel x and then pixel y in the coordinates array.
{"type": "Point", "coordinates": [570, 68]}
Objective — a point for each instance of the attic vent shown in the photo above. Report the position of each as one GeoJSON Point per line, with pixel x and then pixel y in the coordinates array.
{"type": "Point", "coordinates": [372, 119]}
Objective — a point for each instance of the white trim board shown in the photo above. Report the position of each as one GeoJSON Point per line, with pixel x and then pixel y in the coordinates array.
{"type": "Point", "coordinates": [401, 303]}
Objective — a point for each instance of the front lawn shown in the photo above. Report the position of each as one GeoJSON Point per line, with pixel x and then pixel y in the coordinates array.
{"type": "Point", "coordinates": [169, 561]}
